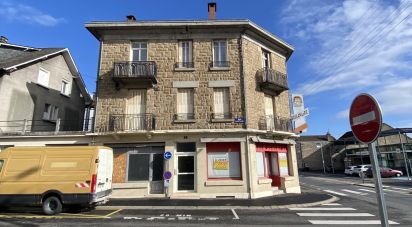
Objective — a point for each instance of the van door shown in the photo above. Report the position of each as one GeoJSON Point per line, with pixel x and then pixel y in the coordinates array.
{"type": "Point", "coordinates": [104, 170]}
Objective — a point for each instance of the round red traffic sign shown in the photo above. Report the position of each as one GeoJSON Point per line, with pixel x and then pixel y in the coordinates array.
{"type": "Point", "coordinates": [365, 118]}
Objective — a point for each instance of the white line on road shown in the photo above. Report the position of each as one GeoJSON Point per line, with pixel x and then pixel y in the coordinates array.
{"type": "Point", "coordinates": [322, 208]}
{"type": "Point", "coordinates": [335, 214]}
{"type": "Point", "coordinates": [331, 204]}
{"type": "Point", "coordinates": [354, 192]}
{"type": "Point", "coordinates": [403, 189]}
{"type": "Point", "coordinates": [234, 213]}
{"type": "Point", "coordinates": [337, 193]}
{"type": "Point", "coordinates": [366, 190]}
{"type": "Point", "coordinates": [349, 222]}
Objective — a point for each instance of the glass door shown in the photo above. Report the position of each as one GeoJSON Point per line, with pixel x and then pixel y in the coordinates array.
{"type": "Point", "coordinates": [186, 172]}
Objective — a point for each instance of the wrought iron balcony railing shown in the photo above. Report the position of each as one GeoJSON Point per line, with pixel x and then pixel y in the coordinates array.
{"type": "Point", "coordinates": [221, 116]}
{"type": "Point", "coordinates": [275, 123]}
{"type": "Point", "coordinates": [189, 65]}
{"type": "Point", "coordinates": [135, 70]}
{"type": "Point", "coordinates": [219, 64]}
{"type": "Point", "coordinates": [184, 116]}
{"type": "Point", "coordinates": [272, 80]}
{"type": "Point", "coordinates": [131, 122]}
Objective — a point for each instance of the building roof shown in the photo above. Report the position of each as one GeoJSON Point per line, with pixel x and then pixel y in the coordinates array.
{"type": "Point", "coordinates": [14, 57]}
{"type": "Point", "coordinates": [100, 28]}
{"type": "Point", "coordinates": [316, 138]}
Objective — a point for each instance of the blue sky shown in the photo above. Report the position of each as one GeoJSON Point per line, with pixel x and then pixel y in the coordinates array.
{"type": "Point", "coordinates": [342, 47]}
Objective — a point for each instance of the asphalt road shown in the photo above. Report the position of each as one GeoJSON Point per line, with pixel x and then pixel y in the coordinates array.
{"type": "Point", "coordinates": [355, 206]}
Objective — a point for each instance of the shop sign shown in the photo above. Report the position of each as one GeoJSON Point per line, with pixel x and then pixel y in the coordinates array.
{"type": "Point", "coordinates": [220, 163]}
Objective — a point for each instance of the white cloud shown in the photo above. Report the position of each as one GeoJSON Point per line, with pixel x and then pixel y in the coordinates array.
{"type": "Point", "coordinates": [344, 114]}
{"type": "Point", "coordinates": [396, 98]}
{"type": "Point", "coordinates": [359, 45]}
{"type": "Point", "coordinates": [26, 14]}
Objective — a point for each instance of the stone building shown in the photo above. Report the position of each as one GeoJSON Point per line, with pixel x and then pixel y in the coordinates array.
{"type": "Point", "coordinates": [212, 92]}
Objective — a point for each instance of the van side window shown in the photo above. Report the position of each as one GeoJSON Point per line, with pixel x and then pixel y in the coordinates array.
{"type": "Point", "coordinates": [1, 164]}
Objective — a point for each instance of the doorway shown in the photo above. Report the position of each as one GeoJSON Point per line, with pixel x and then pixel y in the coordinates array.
{"type": "Point", "coordinates": [186, 165]}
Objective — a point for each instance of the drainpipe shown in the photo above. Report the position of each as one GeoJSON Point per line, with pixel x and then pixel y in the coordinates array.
{"type": "Point", "coordinates": [96, 98]}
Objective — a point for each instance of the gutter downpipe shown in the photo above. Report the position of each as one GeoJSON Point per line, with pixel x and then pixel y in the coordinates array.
{"type": "Point", "coordinates": [243, 84]}
{"type": "Point", "coordinates": [97, 84]}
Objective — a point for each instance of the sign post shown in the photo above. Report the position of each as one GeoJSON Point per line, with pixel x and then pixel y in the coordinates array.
{"type": "Point", "coordinates": [365, 118]}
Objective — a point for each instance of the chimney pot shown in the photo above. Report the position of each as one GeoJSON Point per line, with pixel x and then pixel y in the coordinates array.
{"type": "Point", "coordinates": [4, 39]}
{"type": "Point", "coordinates": [212, 8]}
{"type": "Point", "coordinates": [131, 18]}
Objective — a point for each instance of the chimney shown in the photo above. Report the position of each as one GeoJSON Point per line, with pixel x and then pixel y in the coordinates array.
{"type": "Point", "coordinates": [130, 18]}
{"type": "Point", "coordinates": [4, 39]}
{"type": "Point", "coordinates": [211, 8]}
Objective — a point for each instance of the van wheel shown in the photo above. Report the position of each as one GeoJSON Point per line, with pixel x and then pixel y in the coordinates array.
{"type": "Point", "coordinates": [52, 205]}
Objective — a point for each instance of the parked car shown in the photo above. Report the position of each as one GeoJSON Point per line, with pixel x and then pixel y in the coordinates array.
{"type": "Point", "coordinates": [349, 170]}
{"type": "Point", "coordinates": [358, 170]}
{"type": "Point", "coordinates": [385, 172]}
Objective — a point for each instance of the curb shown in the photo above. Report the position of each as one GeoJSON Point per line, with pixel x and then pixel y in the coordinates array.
{"type": "Point", "coordinates": [330, 200]}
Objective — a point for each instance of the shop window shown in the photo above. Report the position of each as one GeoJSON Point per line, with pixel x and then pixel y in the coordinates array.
{"type": "Point", "coordinates": [138, 167]}
{"type": "Point", "coordinates": [260, 165]}
{"type": "Point", "coordinates": [223, 160]}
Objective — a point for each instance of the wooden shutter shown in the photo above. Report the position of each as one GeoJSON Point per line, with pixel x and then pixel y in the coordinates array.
{"type": "Point", "coordinates": [268, 105]}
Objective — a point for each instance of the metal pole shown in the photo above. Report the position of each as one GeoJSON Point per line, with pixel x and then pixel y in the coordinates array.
{"type": "Point", "coordinates": [331, 160]}
{"type": "Point", "coordinates": [404, 157]}
{"type": "Point", "coordinates": [383, 213]}
{"type": "Point", "coordinates": [323, 160]}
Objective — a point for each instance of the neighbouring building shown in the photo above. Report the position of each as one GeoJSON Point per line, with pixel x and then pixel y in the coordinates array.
{"type": "Point", "coordinates": [40, 90]}
{"type": "Point", "coordinates": [212, 92]}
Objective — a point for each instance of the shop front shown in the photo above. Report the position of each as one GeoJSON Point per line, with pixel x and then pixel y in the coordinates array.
{"type": "Point", "coordinates": [272, 161]}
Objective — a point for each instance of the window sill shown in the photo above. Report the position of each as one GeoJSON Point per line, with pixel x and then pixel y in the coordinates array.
{"type": "Point", "coordinates": [67, 96]}
{"type": "Point", "coordinates": [48, 120]}
{"type": "Point", "coordinates": [219, 68]}
{"type": "Point", "coordinates": [224, 182]}
{"type": "Point", "coordinates": [223, 120]}
{"type": "Point", "coordinates": [182, 69]}
{"type": "Point", "coordinates": [185, 121]}
{"type": "Point", "coordinates": [264, 180]}
{"type": "Point", "coordinates": [43, 86]}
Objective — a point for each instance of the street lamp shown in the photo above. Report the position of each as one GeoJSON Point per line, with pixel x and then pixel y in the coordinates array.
{"type": "Point", "coordinates": [319, 145]}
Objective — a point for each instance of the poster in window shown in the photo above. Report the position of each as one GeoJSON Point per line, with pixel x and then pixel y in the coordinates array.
{"type": "Point", "coordinates": [221, 163]}
{"type": "Point", "coordinates": [283, 164]}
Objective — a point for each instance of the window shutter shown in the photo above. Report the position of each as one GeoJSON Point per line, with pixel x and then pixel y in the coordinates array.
{"type": "Point", "coordinates": [43, 78]}
{"type": "Point", "coordinates": [189, 101]}
{"type": "Point", "coordinates": [268, 105]}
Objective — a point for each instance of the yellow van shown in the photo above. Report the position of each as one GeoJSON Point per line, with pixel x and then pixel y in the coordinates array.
{"type": "Point", "coordinates": [54, 177]}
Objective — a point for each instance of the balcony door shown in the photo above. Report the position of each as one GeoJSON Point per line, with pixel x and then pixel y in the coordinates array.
{"type": "Point", "coordinates": [135, 110]}
{"type": "Point", "coordinates": [139, 51]}
{"type": "Point", "coordinates": [269, 116]}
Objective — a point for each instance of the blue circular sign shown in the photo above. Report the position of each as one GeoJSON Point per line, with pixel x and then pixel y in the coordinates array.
{"type": "Point", "coordinates": [167, 175]}
{"type": "Point", "coordinates": [167, 155]}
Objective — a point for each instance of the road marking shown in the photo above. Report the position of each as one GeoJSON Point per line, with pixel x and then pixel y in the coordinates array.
{"type": "Point", "coordinates": [354, 192]}
{"type": "Point", "coordinates": [322, 208]}
{"type": "Point", "coordinates": [331, 204]}
{"type": "Point", "coordinates": [349, 222]}
{"type": "Point", "coordinates": [389, 190]}
{"type": "Point", "coordinates": [51, 217]}
{"type": "Point", "coordinates": [366, 190]}
{"type": "Point", "coordinates": [403, 189]}
{"type": "Point", "coordinates": [234, 213]}
{"type": "Point", "coordinates": [116, 211]}
{"type": "Point", "coordinates": [337, 193]}
{"type": "Point", "coordinates": [335, 214]}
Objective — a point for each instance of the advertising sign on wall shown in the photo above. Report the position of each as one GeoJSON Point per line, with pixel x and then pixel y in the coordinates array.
{"type": "Point", "coordinates": [283, 164]}
{"type": "Point", "coordinates": [221, 163]}
{"type": "Point", "coordinates": [298, 109]}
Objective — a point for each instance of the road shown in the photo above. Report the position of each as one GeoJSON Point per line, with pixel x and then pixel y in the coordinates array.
{"type": "Point", "coordinates": [356, 205]}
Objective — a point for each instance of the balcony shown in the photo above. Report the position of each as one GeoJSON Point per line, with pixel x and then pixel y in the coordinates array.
{"type": "Point", "coordinates": [135, 74]}
{"type": "Point", "coordinates": [130, 123]}
{"type": "Point", "coordinates": [275, 123]}
{"type": "Point", "coordinates": [221, 117]}
{"type": "Point", "coordinates": [271, 81]}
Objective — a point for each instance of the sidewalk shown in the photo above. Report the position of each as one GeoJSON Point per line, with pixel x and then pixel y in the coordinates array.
{"type": "Point", "coordinates": [280, 201]}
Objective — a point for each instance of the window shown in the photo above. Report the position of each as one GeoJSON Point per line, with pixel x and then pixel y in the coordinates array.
{"type": "Point", "coordinates": [223, 160]}
{"type": "Point", "coordinates": [65, 89]}
{"type": "Point", "coordinates": [185, 54]}
{"type": "Point", "coordinates": [185, 104]}
{"type": "Point", "coordinates": [221, 103]}
{"type": "Point", "coordinates": [1, 164]}
{"type": "Point", "coordinates": [265, 59]}
{"type": "Point", "coordinates": [50, 112]}
{"type": "Point", "coordinates": [43, 78]}
{"type": "Point", "coordinates": [260, 165]}
{"type": "Point", "coordinates": [139, 51]}
{"type": "Point", "coordinates": [220, 54]}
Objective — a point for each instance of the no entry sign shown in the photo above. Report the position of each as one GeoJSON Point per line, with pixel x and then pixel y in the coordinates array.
{"type": "Point", "coordinates": [365, 118]}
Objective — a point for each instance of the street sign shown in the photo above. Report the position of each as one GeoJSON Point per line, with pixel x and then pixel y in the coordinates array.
{"type": "Point", "coordinates": [300, 114]}
{"type": "Point", "coordinates": [365, 118]}
{"type": "Point", "coordinates": [167, 175]}
{"type": "Point", "coordinates": [239, 120]}
{"type": "Point", "coordinates": [167, 155]}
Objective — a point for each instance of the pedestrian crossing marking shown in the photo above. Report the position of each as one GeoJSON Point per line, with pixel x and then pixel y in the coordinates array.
{"type": "Point", "coordinates": [331, 204]}
{"type": "Point", "coordinates": [349, 222]}
{"type": "Point", "coordinates": [366, 190]}
{"type": "Point", "coordinates": [354, 192]}
{"type": "Point", "coordinates": [322, 208]}
{"type": "Point", "coordinates": [337, 193]}
{"type": "Point", "coordinates": [335, 214]}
